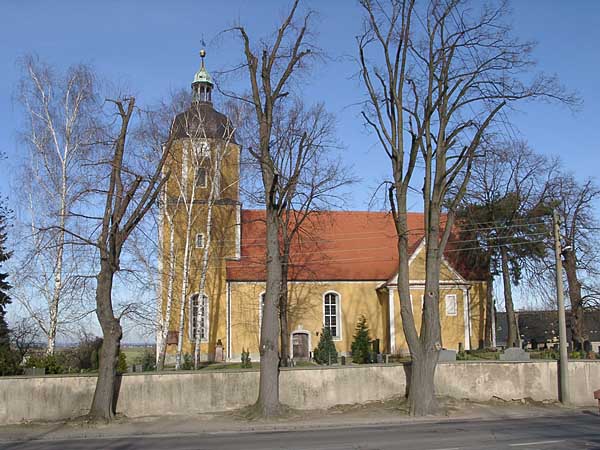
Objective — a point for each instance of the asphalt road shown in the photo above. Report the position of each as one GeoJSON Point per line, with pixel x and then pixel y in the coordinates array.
{"type": "Point", "coordinates": [572, 432]}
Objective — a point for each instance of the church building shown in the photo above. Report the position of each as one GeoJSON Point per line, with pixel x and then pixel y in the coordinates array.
{"type": "Point", "coordinates": [342, 268]}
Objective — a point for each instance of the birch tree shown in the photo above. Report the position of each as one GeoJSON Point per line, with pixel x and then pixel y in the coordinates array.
{"type": "Point", "coordinates": [195, 155]}
{"type": "Point", "coordinates": [218, 154]}
{"type": "Point", "coordinates": [59, 128]}
{"type": "Point", "coordinates": [187, 183]}
{"type": "Point", "coordinates": [436, 76]}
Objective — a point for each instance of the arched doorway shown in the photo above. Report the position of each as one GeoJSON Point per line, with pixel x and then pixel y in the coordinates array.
{"type": "Point", "coordinates": [300, 344]}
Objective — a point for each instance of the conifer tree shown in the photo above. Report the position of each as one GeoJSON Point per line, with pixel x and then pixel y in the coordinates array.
{"type": "Point", "coordinates": [360, 345]}
{"type": "Point", "coordinates": [325, 353]}
{"type": "Point", "coordinates": [4, 284]}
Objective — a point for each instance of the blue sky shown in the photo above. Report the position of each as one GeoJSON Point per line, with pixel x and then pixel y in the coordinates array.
{"type": "Point", "coordinates": [152, 47]}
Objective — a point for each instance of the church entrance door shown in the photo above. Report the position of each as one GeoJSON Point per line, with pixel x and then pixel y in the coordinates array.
{"type": "Point", "coordinates": [300, 344]}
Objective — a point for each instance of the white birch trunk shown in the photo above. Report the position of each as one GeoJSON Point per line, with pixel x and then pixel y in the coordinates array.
{"type": "Point", "coordinates": [189, 205]}
{"type": "Point", "coordinates": [213, 195]}
{"type": "Point", "coordinates": [58, 281]}
{"type": "Point", "coordinates": [166, 320]}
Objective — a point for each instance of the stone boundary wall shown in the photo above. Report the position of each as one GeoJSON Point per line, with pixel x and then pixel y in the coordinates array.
{"type": "Point", "coordinates": [50, 398]}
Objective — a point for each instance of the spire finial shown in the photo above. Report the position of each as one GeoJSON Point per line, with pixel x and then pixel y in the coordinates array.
{"type": "Point", "coordinates": [203, 55]}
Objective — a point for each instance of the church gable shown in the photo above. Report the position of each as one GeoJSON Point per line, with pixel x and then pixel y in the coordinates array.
{"type": "Point", "coordinates": [416, 267]}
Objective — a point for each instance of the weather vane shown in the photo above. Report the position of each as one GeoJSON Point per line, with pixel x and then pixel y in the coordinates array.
{"type": "Point", "coordinates": [203, 50]}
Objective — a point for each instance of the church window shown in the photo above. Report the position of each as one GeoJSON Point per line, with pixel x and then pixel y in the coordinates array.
{"type": "Point", "coordinates": [201, 177]}
{"type": "Point", "coordinates": [203, 150]}
{"type": "Point", "coordinates": [451, 305]}
{"type": "Point", "coordinates": [199, 317]}
{"type": "Point", "coordinates": [332, 314]}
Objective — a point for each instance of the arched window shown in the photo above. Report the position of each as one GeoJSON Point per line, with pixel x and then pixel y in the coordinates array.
{"type": "Point", "coordinates": [332, 314]}
{"type": "Point", "coordinates": [199, 321]}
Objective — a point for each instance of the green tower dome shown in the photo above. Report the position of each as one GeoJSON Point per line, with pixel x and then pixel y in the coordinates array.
{"type": "Point", "coordinates": [203, 83]}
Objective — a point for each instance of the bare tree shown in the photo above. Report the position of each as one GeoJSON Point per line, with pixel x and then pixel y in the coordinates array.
{"type": "Point", "coordinates": [217, 155]}
{"type": "Point", "coordinates": [270, 70]}
{"type": "Point", "coordinates": [436, 77]}
{"type": "Point", "coordinates": [127, 198]}
{"type": "Point", "coordinates": [153, 263]}
{"type": "Point", "coordinates": [579, 231]}
{"type": "Point", "coordinates": [24, 335]}
{"type": "Point", "coordinates": [59, 111]}
{"type": "Point", "coordinates": [310, 180]}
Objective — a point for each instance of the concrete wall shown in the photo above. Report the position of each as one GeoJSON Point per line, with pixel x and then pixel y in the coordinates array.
{"type": "Point", "coordinates": [58, 397]}
{"type": "Point", "coordinates": [326, 387]}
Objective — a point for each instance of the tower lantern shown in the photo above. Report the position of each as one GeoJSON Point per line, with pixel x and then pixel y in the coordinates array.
{"type": "Point", "coordinates": [202, 85]}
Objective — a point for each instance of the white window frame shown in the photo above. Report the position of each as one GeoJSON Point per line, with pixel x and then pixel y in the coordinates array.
{"type": "Point", "coordinates": [451, 308]}
{"type": "Point", "coordinates": [338, 314]}
{"type": "Point", "coordinates": [199, 237]}
{"type": "Point", "coordinates": [205, 316]}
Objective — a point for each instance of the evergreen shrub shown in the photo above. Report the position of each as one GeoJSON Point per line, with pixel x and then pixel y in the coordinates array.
{"type": "Point", "coordinates": [325, 353]}
{"type": "Point", "coordinates": [361, 347]}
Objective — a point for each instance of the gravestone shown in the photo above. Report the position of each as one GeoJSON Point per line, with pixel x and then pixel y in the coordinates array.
{"type": "Point", "coordinates": [514, 354]}
{"type": "Point", "coordinates": [447, 355]}
{"type": "Point", "coordinates": [219, 355]}
{"type": "Point", "coordinates": [379, 358]}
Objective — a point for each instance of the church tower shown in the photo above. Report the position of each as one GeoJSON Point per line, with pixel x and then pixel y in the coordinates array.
{"type": "Point", "coordinates": [200, 224]}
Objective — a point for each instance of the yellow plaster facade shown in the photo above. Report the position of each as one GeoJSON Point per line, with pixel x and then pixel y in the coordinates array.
{"type": "Point", "coordinates": [232, 317]}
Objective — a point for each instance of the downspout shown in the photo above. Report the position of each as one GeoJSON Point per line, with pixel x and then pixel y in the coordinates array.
{"type": "Point", "coordinates": [494, 345]}
{"type": "Point", "coordinates": [392, 325]}
{"type": "Point", "coordinates": [470, 325]}
{"type": "Point", "coordinates": [228, 320]}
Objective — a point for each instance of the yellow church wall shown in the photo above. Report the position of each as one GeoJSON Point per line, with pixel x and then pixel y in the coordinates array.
{"type": "Point", "coordinates": [182, 164]}
{"type": "Point", "coordinates": [416, 269]}
{"type": "Point", "coordinates": [477, 313]}
{"type": "Point", "coordinates": [306, 298]}
{"type": "Point", "coordinates": [306, 312]}
{"type": "Point", "coordinates": [224, 235]}
{"type": "Point", "coordinates": [452, 327]}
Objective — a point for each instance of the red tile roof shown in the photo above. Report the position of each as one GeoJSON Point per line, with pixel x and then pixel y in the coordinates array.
{"type": "Point", "coordinates": [332, 245]}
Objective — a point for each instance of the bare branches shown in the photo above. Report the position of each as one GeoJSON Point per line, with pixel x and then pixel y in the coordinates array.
{"type": "Point", "coordinates": [60, 109]}
{"type": "Point", "coordinates": [437, 75]}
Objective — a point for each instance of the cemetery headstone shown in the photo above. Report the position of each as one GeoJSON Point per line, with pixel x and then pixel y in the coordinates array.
{"type": "Point", "coordinates": [514, 354]}
{"type": "Point", "coordinates": [447, 355]}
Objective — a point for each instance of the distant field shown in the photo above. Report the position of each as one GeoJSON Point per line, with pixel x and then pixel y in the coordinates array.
{"type": "Point", "coordinates": [134, 354]}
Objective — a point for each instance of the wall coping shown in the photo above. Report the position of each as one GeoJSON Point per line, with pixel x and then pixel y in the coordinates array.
{"type": "Point", "coordinates": [292, 369]}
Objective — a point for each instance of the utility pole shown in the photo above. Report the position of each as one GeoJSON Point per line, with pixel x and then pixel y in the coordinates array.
{"type": "Point", "coordinates": [562, 324]}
